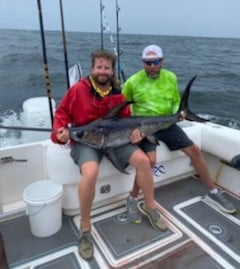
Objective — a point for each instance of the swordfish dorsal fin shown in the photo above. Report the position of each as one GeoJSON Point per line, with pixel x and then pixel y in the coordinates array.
{"type": "Point", "coordinates": [114, 112]}
{"type": "Point", "coordinates": [184, 104]}
{"type": "Point", "coordinates": [184, 100]}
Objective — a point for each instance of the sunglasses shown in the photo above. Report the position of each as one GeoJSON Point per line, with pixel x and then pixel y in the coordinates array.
{"type": "Point", "coordinates": [154, 62]}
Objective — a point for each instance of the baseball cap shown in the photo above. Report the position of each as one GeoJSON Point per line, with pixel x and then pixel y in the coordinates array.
{"type": "Point", "coordinates": [156, 50]}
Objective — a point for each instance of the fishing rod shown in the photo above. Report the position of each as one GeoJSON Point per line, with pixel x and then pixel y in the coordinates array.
{"type": "Point", "coordinates": [64, 43]}
{"type": "Point", "coordinates": [117, 32]}
{"type": "Point", "coordinates": [102, 28]}
{"type": "Point", "coordinates": [105, 26]}
{"type": "Point", "coordinates": [47, 80]}
{"type": "Point", "coordinates": [118, 29]}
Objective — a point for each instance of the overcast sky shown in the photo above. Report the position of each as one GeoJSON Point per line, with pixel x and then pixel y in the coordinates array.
{"type": "Point", "coordinates": [211, 18]}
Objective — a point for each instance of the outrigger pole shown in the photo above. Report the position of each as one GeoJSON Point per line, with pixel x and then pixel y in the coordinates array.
{"type": "Point", "coordinates": [102, 28]}
{"type": "Point", "coordinates": [64, 43]}
{"type": "Point", "coordinates": [47, 80]}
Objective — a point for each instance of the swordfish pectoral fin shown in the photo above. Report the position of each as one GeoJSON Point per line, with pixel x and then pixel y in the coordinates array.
{"type": "Point", "coordinates": [110, 155]}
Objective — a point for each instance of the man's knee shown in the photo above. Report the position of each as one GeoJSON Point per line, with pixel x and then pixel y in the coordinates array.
{"type": "Point", "coordinates": [140, 159]}
{"type": "Point", "coordinates": [152, 156]}
{"type": "Point", "coordinates": [193, 151]}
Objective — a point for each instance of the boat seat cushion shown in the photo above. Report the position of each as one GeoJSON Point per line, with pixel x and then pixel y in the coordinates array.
{"type": "Point", "coordinates": [221, 141]}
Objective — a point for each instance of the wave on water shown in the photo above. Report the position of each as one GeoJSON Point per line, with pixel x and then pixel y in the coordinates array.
{"type": "Point", "coordinates": [10, 137]}
{"type": "Point", "coordinates": [228, 122]}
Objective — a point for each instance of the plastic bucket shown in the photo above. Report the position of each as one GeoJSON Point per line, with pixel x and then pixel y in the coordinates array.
{"type": "Point", "coordinates": [44, 207]}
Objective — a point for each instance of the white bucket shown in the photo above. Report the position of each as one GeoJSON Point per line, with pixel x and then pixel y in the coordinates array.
{"type": "Point", "coordinates": [44, 207]}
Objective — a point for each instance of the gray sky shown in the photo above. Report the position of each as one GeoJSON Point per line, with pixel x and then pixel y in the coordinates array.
{"type": "Point", "coordinates": [211, 18]}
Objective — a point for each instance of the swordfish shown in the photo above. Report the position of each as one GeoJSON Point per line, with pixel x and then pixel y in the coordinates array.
{"type": "Point", "coordinates": [113, 131]}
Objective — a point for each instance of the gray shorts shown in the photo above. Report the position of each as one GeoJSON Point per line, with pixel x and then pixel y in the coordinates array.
{"type": "Point", "coordinates": [82, 153]}
{"type": "Point", "coordinates": [174, 137]}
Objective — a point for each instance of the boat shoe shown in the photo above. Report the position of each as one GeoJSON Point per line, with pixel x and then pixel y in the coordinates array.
{"type": "Point", "coordinates": [85, 247]}
{"type": "Point", "coordinates": [221, 202]}
{"type": "Point", "coordinates": [153, 216]}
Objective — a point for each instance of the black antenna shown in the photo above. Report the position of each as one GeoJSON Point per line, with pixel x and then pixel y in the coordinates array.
{"type": "Point", "coordinates": [101, 23]}
{"type": "Point", "coordinates": [47, 80]}
{"type": "Point", "coordinates": [64, 43]}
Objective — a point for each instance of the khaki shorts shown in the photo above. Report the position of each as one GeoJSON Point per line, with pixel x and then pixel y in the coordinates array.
{"type": "Point", "coordinates": [82, 153]}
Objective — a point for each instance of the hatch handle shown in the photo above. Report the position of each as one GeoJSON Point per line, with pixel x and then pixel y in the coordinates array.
{"type": "Point", "coordinates": [10, 159]}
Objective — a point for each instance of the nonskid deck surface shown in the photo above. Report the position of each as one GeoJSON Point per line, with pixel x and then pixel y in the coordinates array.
{"type": "Point", "coordinates": [68, 261]}
{"type": "Point", "coordinates": [123, 244]}
{"type": "Point", "coordinates": [218, 230]}
{"type": "Point", "coordinates": [21, 246]}
{"type": "Point", "coordinates": [120, 244]}
{"type": "Point", "coordinates": [221, 230]}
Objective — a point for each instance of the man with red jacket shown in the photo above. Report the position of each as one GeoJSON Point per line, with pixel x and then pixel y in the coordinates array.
{"type": "Point", "coordinates": [90, 99]}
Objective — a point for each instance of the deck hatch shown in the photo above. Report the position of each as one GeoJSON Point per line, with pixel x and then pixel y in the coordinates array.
{"type": "Point", "coordinates": [122, 242]}
{"type": "Point", "coordinates": [222, 229]}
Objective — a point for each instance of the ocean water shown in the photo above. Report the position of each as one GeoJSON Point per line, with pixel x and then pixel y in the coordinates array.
{"type": "Point", "coordinates": [216, 61]}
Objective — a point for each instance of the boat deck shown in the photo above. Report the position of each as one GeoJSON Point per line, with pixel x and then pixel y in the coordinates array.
{"type": "Point", "coordinates": [199, 236]}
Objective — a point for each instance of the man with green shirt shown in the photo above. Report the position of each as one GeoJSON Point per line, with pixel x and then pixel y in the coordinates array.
{"type": "Point", "coordinates": [154, 91]}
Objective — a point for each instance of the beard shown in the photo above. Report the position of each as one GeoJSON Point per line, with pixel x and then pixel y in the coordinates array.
{"type": "Point", "coordinates": [153, 74]}
{"type": "Point", "coordinates": [102, 79]}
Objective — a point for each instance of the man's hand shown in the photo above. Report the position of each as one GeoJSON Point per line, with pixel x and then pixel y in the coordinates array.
{"type": "Point", "coordinates": [62, 135]}
{"type": "Point", "coordinates": [136, 136]}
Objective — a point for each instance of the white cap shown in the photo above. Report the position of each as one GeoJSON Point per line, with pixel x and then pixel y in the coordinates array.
{"type": "Point", "coordinates": [151, 52]}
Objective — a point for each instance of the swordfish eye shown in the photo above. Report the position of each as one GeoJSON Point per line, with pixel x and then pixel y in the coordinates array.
{"type": "Point", "coordinates": [78, 134]}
